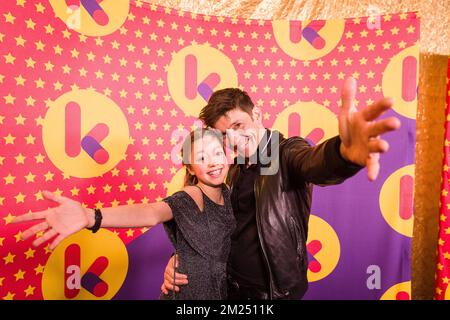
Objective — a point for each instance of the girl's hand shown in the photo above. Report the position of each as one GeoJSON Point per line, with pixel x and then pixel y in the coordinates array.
{"type": "Point", "coordinates": [62, 221]}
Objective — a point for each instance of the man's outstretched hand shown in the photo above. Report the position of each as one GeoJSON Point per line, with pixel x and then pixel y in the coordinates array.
{"type": "Point", "coordinates": [360, 131]}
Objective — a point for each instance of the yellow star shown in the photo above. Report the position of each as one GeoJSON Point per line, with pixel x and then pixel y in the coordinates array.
{"type": "Point", "coordinates": [20, 159]}
{"type": "Point", "coordinates": [123, 187]}
{"type": "Point", "coordinates": [30, 24]}
{"type": "Point", "coordinates": [9, 179]}
{"type": "Point", "coordinates": [20, 198]}
{"type": "Point", "coordinates": [115, 172]}
{"type": "Point", "coordinates": [9, 99]}
{"type": "Point", "coordinates": [21, 3]}
{"type": "Point", "coordinates": [30, 139]}
{"type": "Point", "coordinates": [99, 205]}
{"type": "Point", "coordinates": [74, 191]}
{"type": "Point", "coordinates": [66, 34]}
{"type": "Point", "coordinates": [445, 280]}
{"type": "Point", "coordinates": [18, 236]}
{"type": "Point", "coordinates": [39, 158]}
{"type": "Point", "coordinates": [29, 291]}
{"type": "Point", "coordinates": [9, 258]}
{"type": "Point", "coordinates": [48, 176]}
{"type": "Point", "coordinates": [30, 101]}
{"type": "Point", "coordinates": [49, 66]}
{"type": "Point", "coordinates": [9, 18]}
{"type": "Point", "coordinates": [58, 50]}
{"type": "Point", "coordinates": [40, 83]}
{"type": "Point", "coordinates": [40, 45]}
{"type": "Point", "coordinates": [47, 248]}
{"type": "Point", "coordinates": [438, 291]}
{"type": "Point", "coordinates": [145, 200]}
{"type": "Point", "coordinates": [30, 62]}
{"type": "Point", "coordinates": [39, 269]}
{"type": "Point", "coordinates": [1, 281]}
{"type": "Point", "coordinates": [130, 232]}
{"type": "Point", "coordinates": [130, 171]}
{"type": "Point", "coordinates": [83, 38]}
{"type": "Point", "coordinates": [91, 189]}
{"type": "Point", "coordinates": [446, 255]}
{"type": "Point", "coordinates": [20, 120]}
{"type": "Point", "coordinates": [130, 201]}
{"type": "Point", "coordinates": [1, 243]}
{"type": "Point", "coordinates": [107, 188]}
{"type": "Point", "coordinates": [9, 58]}
{"type": "Point", "coordinates": [441, 242]}
{"type": "Point", "coordinates": [9, 296]}
{"type": "Point", "coordinates": [38, 195]}
{"type": "Point", "coordinates": [115, 203]}
{"type": "Point", "coordinates": [20, 81]}
{"type": "Point", "coordinates": [49, 29]}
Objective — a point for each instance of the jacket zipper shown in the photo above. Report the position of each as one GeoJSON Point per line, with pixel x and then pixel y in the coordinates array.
{"type": "Point", "coordinates": [258, 226]}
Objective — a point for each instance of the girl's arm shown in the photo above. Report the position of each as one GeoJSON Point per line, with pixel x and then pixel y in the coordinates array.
{"type": "Point", "coordinates": [70, 217]}
{"type": "Point", "coordinates": [132, 216]}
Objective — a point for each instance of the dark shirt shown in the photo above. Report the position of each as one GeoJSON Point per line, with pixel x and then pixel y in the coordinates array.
{"type": "Point", "coordinates": [246, 263]}
{"type": "Point", "coordinates": [202, 242]}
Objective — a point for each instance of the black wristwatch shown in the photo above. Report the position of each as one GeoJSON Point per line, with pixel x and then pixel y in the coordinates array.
{"type": "Point", "coordinates": [98, 221]}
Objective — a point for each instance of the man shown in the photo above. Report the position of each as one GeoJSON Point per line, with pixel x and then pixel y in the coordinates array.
{"type": "Point", "coordinates": [268, 257]}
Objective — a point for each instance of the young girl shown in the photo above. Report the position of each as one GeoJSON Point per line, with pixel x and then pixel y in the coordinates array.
{"type": "Point", "coordinates": [199, 219]}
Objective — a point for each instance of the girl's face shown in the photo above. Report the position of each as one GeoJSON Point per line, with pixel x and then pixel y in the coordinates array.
{"type": "Point", "coordinates": [208, 161]}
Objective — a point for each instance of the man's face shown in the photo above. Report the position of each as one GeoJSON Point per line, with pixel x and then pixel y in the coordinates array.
{"type": "Point", "coordinates": [242, 130]}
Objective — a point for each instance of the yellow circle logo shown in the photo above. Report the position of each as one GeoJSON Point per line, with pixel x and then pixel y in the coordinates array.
{"type": "Point", "coordinates": [194, 73]}
{"type": "Point", "coordinates": [85, 134]}
{"type": "Point", "coordinates": [396, 200]}
{"type": "Point", "coordinates": [177, 182]}
{"type": "Point", "coordinates": [323, 249]}
{"type": "Point", "coordinates": [86, 267]}
{"type": "Point", "coordinates": [400, 81]}
{"type": "Point", "coordinates": [308, 40]}
{"type": "Point", "coordinates": [307, 119]}
{"type": "Point", "coordinates": [92, 17]}
{"type": "Point", "coordinates": [399, 291]}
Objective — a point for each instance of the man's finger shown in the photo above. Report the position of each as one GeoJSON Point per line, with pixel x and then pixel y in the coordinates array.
{"type": "Point", "coordinates": [163, 289]}
{"type": "Point", "coordinates": [34, 229]}
{"type": "Point", "coordinates": [180, 279]}
{"type": "Point", "coordinates": [29, 216]}
{"type": "Point", "coordinates": [376, 109]}
{"type": "Point", "coordinates": [378, 145]}
{"type": "Point", "coordinates": [373, 166]}
{"type": "Point", "coordinates": [47, 236]}
{"type": "Point", "coordinates": [348, 95]}
{"type": "Point", "coordinates": [383, 126]}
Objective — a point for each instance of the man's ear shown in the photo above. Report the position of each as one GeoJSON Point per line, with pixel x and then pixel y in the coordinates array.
{"type": "Point", "coordinates": [257, 115]}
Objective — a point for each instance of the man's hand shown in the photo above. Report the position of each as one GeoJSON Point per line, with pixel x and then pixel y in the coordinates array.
{"type": "Point", "coordinates": [360, 133]}
{"type": "Point", "coordinates": [180, 279]}
{"type": "Point", "coordinates": [62, 221]}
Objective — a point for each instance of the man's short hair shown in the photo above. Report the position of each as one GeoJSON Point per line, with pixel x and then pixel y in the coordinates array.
{"type": "Point", "coordinates": [223, 101]}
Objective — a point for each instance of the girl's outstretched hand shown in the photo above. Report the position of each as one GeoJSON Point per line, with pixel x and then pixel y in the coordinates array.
{"type": "Point", "coordinates": [62, 221]}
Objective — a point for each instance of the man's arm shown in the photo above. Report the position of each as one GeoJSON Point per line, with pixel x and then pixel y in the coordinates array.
{"type": "Point", "coordinates": [358, 144]}
{"type": "Point", "coordinates": [321, 165]}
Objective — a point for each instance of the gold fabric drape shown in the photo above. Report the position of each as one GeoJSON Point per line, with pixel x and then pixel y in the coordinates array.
{"type": "Point", "coordinates": [435, 48]}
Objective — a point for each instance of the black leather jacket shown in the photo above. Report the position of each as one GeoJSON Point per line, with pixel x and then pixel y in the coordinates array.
{"type": "Point", "coordinates": [283, 203]}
